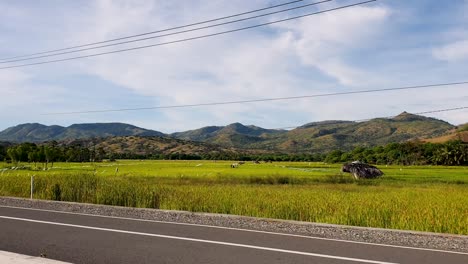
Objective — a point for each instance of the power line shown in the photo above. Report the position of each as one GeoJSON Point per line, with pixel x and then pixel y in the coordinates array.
{"type": "Point", "coordinates": [156, 31]}
{"type": "Point", "coordinates": [165, 35]}
{"type": "Point", "coordinates": [265, 99]}
{"type": "Point", "coordinates": [386, 117]}
{"type": "Point", "coordinates": [188, 39]}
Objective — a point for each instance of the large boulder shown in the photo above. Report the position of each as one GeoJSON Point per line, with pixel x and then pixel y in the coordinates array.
{"type": "Point", "coordinates": [362, 170]}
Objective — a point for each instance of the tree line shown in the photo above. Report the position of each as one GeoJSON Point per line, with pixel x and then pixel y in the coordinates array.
{"type": "Point", "coordinates": [453, 153]}
{"type": "Point", "coordinates": [47, 154]}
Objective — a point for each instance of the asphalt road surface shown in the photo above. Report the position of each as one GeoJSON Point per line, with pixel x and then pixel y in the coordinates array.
{"type": "Point", "coordinates": [80, 238]}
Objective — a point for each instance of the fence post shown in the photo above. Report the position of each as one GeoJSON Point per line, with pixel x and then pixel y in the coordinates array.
{"type": "Point", "coordinates": [32, 186]}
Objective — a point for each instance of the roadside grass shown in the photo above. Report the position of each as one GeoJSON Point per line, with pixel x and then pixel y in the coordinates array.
{"type": "Point", "coordinates": [422, 198]}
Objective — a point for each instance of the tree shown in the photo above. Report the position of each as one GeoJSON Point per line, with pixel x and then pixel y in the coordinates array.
{"type": "Point", "coordinates": [334, 156]}
{"type": "Point", "coordinates": [13, 154]}
{"type": "Point", "coordinates": [100, 154]}
{"type": "Point", "coordinates": [3, 153]}
{"type": "Point", "coordinates": [50, 155]}
{"type": "Point", "coordinates": [452, 153]}
{"type": "Point", "coordinates": [41, 156]}
{"type": "Point", "coordinates": [33, 156]}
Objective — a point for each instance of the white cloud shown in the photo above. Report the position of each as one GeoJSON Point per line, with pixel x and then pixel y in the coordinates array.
{"type": "Point", "coordinates": [456, 47]}
{"type": "Point", "coordinates": [324, 40]}
{"type": "Point", "coordinates": [11, 78]}
{"type": "Point", "coordinates": [22, 101]}
{"type": "Point", "coordinates": [313, 55]}
{"type": "Point", "coordinates": [18, 94]}
{"type": "Point", "coordinates": [242, 65]}
{"type": "Point", "coordinates": [248, 65]}
{"type": "Point", "coordinates": [452, 52]}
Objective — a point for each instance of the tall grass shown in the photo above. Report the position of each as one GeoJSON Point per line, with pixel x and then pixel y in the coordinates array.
{"type": "Point", "coordinates": [434, 208]}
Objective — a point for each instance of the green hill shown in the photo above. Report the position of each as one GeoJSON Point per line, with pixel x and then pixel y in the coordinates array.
{"type": "Point", "coordinates": [310, 138]}
{"type": "Point", "coordinates": [458, 133]}
{"type": "Point", "coordinates": [462, 128]}
{"type": "Point", "coordinates": [233, 135]}
{"type": "Point", "coordinates": [144, 146]}
{"type": "Point", "coordinates": [324, 136]}
{"type": "Point", "coordinates": [39, 133]}
{"type": "Point", "coordinates": [348, 135]}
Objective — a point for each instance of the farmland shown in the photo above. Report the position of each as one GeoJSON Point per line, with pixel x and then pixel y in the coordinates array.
{"type": "Point", "coordinates": [422, 198]}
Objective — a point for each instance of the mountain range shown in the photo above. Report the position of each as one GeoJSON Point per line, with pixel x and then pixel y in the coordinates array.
{"type": "Point", "coordinates": [34, 132]}
{"type": "Point", "coordinates": [312, 137]}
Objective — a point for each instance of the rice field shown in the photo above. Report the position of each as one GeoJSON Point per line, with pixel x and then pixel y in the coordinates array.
{"type": "Point", "coordinates": [422, 198]}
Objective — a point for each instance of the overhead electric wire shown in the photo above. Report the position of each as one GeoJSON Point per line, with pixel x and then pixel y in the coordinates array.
{"type": "Point", "coordinates": [189, 39]}
{"type": "Point", "coordinates": [265, 99]}
{"type": "Point", "coordinates": [155, 31]}
{"type": "Point", "coordinates": [368, 119]}
{"type": "Point", "coordinates": [168, 34]}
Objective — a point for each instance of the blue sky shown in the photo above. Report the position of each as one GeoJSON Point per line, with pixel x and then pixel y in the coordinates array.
{"type": "Point", "coordinates": [389, 43]}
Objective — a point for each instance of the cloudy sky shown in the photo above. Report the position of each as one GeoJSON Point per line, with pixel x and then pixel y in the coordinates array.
{"type": "Point", "coordinates": [390, 43]}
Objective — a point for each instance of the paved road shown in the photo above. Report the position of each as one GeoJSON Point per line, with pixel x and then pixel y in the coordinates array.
{"type": "Point", "coordinates": [82, 238]}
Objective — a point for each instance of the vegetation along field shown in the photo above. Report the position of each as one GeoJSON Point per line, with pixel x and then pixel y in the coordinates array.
{"type": "Point", "coordinates": [424, 198]}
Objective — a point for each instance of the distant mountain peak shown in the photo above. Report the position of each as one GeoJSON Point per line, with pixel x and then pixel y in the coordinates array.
{"type": "Point", "coordinates": [405, 116]}
{"type": "Point", "coordinates": [236, 124]}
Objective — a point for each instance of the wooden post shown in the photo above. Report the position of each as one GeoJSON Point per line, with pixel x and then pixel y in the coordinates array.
{"type": "Point", "coordinates": [32, 186]}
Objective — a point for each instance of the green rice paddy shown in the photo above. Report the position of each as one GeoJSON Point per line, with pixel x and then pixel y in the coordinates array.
{"type": "Point", "coordinates": [422, 198]}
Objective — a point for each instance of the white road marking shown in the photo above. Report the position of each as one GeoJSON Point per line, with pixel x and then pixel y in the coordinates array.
{"type": "Point", "coordinates": [239, 229]}
{"type": "Point", "coordinates": [199, 240]}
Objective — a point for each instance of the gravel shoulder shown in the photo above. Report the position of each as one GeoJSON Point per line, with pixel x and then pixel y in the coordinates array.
{"type": "Point", "coordinates": [361, 234]}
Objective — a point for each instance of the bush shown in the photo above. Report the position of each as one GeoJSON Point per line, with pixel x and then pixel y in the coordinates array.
{"type": "Point", "coordinates": [339, 179]}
